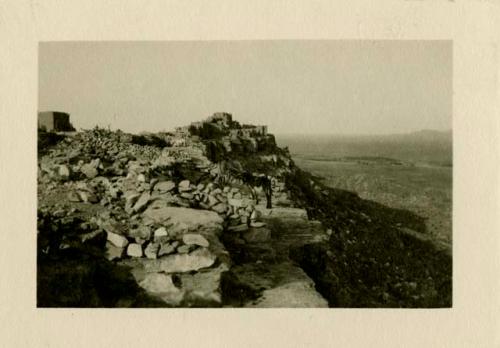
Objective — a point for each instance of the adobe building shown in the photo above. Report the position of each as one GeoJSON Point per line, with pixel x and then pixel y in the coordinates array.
{"type": "Point", "coordinates": [54, 121]}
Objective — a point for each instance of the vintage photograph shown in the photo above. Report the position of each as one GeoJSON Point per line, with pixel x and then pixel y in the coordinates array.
{"type": "Point", "coordinates": [245, 174]}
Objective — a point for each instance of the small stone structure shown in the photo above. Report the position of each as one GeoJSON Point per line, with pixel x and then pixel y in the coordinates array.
{"type": "Point", "coordinates": [54, 121]}
{"type": "Point", "coordinates": [224, 120]}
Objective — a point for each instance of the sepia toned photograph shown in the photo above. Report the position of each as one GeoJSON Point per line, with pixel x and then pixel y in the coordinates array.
{"type": "Point", "coordinates": [245, 174]}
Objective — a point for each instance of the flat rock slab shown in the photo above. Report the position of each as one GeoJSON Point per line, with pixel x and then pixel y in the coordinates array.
{"type": "Point", "coordinates": [284, 285]}
{"type": "Point", "coordinates": [160, 285]}
{"type": "Point", "coordinates": [164, 186]}
{"type": "Point", "coordinates": [195, 239]}
{"type": "Point", "coordinates": [299, 294]}
{"type": "Point", "coordinates": [256, 235]}
{"type": "Point", "coordinates": [142, 201]}
{"type": "Point", "coordinates": [290, 232]}
{"type": "Point", "coordinates": [280, 282]}
{"type": "Point", "coordinates": [282, 212]}
{"type": "Point", "coordinates": [179, 263]}
{"type": "Point", "coordinates": [203, 221]}
{"type": "Point", "coordinates": [203, 289]}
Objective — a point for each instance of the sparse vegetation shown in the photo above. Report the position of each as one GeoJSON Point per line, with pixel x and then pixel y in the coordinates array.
{"type": "Point", "coordinates": [106, 196]}
{"type": "Point", "coordinates": [368, 261]}
{"type": "Point", "coordinates": [207, 131]}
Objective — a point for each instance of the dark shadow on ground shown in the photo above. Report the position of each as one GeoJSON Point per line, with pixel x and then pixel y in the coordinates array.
{"type": "Point", "coordinates": [78, 278]}
{"type": "Point", "coordinates": [72, 271]}
{"type": "Point", "coordinates": [369, 261]}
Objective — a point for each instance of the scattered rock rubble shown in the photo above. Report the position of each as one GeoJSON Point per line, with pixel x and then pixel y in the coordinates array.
{"type": "Point", "coordinates": [215, 214]}
{"type": "Point", "coordinates": [162, 209]}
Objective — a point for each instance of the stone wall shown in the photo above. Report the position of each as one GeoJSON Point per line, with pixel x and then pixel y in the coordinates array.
{"type": "Point", "coordinates": [54, 121]}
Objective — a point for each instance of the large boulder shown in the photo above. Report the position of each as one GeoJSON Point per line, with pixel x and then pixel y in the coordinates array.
{"type": "Point", "coordinates": [201, 221]}
{"type": "Point", "coordinates": [178, 263]}
{"type": "Point", "coordinates": [296, 294]}
{"type": "Point", "coordinates": [257, 235]}
{"type": "Point", "coordinates": [161, 285]}
{"type": "Point", "coordinates": [203, 288]}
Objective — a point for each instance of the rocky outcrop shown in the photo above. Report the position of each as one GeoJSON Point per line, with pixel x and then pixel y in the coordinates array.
{"type": "Point", "coordinates": [159, 201]}
{"type": "Point", "coordinates": [212, 206]}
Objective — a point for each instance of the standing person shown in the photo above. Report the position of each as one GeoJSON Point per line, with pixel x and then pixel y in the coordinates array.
{"type": "Point", "coordinates": [268, 190]}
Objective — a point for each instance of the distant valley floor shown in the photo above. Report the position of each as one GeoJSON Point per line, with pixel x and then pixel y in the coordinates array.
{"type": "Point", "coordinates": [424, 190]}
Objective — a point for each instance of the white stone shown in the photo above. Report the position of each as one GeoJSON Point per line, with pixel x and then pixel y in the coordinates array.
{"type": "Point", "coordinates": [184, 249]}
{"type": "Point", "coordinates": [117, 240]}
{"type": "Point", "coordinates": [151, 251]}
{"type": "Point", "coordinates": [238, 228]}
{"type": "Point", "coordinates": [165, 186]}
{"type": "Point", "coordinates": [257, 224]}
{"type": "Point", "coordinates": [193, 219]}
{"type": "Point", "coordinates": [161, 285]}
{"type": "Point", "coordinates": [131, 197]}
{"type": "Point", "coordinates": [288, 212]}
{"type": "Point", "coordinates": [195, 239]}
{"type": "Point", "coordinates": [198, 259]}
{"type": "Point", "coordinates": [160, 233]}
{"type": "Point", "coordinates": [134, 250]}
{"type": "Point", "coordinates": [212, 200]}
{"type": "Point", "coordinates": [142, 201]}
{"type": "Point", "coordinates": [187, 195]}
{"type": "Point", "coordinates": [158, 283]}
{"type": "Point", "coordinates": [184, 185]}
{"type": "Point", "coordinates": [89, 170]}
{"type": "Point", "coordinates": [64, 171]}
{"type": "Point", "coordinates": [235, 202]}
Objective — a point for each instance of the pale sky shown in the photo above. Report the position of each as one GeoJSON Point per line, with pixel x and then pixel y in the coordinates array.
{"type": "Point", "coordinates": [338, 87]}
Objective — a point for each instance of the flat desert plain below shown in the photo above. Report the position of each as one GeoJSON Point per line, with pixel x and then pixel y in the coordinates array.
{"type": "Point", "coordinates": [409, 171]}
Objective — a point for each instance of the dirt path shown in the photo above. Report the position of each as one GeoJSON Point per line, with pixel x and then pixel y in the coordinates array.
{"type": "Point", "coordinates": [263, 267]}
